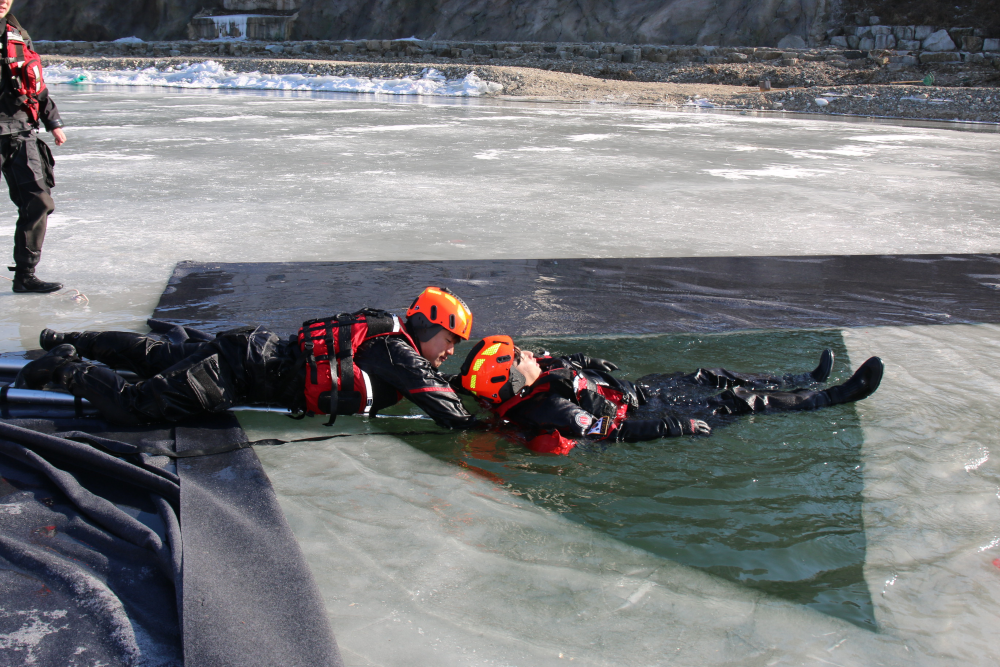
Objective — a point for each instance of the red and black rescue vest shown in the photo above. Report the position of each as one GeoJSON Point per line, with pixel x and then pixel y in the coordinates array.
{"type": "Point", "coordinates": [609, 416]}
{"type": "Point", "coordinates": [326, 342]}
{"type": "Point", "coordinates": [25, 69]}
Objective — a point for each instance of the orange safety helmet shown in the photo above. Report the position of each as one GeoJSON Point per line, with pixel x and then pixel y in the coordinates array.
{"type": "Point", "coordinates": [489, 372]}
{"type": "Point", "coordinates": [440, 306]}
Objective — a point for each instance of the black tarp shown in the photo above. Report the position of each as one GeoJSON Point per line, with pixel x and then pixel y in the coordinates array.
{"type": "Point", "coordinates": [553, 297]}
{"type": "Point", "coordinates": [136, 560]}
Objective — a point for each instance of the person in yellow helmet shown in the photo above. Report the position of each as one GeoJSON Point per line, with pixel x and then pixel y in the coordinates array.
{"type": "Point", "coordinates": [353, 363]}
{"type": "Point", "coordinates": [558, 401]}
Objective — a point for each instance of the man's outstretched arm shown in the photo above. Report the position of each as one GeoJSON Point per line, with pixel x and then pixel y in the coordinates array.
{"type": "Point", "coordinates": [396, 363]}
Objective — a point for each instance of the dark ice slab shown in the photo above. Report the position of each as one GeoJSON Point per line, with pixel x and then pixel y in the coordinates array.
{"type": "Point", "coordinates": [543, 297]}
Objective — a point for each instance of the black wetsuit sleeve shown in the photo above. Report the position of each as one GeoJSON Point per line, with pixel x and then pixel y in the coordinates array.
{"type": "Point", "coordinates": [637, 430]}
{"type": "Point", "coordinates": [551, 411]}
{"type": "Point", "coordinates": [393, 361]}
{"type": "Point", "coordinates": [47, 111]}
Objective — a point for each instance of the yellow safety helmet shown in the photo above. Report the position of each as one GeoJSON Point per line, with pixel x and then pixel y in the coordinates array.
{"type": "Point", "coordinates": [489, 372]}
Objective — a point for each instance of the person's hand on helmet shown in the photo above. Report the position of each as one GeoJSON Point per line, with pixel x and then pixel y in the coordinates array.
{"type": "Point", "coordinates": [592, 363]}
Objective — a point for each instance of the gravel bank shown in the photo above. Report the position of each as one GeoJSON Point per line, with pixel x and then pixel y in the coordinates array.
{"type": "Point", "coordinates": [855, 88]}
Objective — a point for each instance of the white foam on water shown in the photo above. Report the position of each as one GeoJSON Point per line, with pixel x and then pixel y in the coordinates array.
{"type": "Point", "coordinates": [210, 74]}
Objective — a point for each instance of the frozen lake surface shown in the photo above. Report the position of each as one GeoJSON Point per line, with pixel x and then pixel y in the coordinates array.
{"type": "Point", "coordinates": [423, 561]}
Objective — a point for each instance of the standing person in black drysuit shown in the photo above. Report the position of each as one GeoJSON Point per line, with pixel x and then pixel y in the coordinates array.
{"type": "Point", "coordinates": [254, 366]}
{"type": "Point", "coordinates": [25, 160]}
{"type": "Point", "coordinates": [557, 401]}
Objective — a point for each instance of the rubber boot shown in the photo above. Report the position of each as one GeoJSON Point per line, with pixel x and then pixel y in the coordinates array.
{"type": "Point", "coordinates": [41, 371]}
{"type": "Point", "coordinates": [862, 384]}
{"type": "Point", "coordinates": [49, 338]}
{"type": "Point", "coordinates": [819, 374]}
{"type": "Point", "coordinates": [25, 282]}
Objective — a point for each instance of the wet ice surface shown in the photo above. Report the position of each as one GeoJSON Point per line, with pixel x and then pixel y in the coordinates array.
{"type": "Point", "coordinates": [150, 177]}
{"type": "Point", "coordinates": [419, 557]}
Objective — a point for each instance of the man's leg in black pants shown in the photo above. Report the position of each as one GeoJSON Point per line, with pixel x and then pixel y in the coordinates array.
{"type": "Point", "coordinates": [720, 378]}
{"type": "Point", "coordinates": [746, 400]}
{"type": "Point", "coordinates": [197, 385]}
{"type": "Point", "coordinates": [124, 350]}
{"type": "Point", "coordinates": [27, 171]}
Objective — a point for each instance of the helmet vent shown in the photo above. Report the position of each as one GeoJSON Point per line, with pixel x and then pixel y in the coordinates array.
{"type": "Point", "coordinates": [434, 313]}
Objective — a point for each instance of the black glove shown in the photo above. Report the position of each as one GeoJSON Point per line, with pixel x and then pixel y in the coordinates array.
{"type": "Point", "coordinates": [591, 363]}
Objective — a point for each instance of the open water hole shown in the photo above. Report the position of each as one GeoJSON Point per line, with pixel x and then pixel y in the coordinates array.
{"type": "Point", "coordinates": [855, 535]}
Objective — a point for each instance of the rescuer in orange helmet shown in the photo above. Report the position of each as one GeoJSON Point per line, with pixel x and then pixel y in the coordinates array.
{"type": "Point", "coordinates": [353, 363]}
{"type": "Point", "coordinates": [560, 400]}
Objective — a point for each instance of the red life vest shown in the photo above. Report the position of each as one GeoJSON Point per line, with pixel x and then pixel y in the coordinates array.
{"type": "Point", "coordinates": [335, 340]}
{"type": "Point", "coordinates": [553, 442]}
{"type": "Point", "coordinates": [25, 70]}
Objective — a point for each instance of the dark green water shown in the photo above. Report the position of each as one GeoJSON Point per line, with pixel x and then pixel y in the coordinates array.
{"type": "Point", "coordinates": [771, 501]}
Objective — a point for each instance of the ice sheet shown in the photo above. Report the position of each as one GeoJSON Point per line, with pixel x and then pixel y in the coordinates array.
{"type": "Point", "coordinates": [297, 176]}
{"type": "Point", "coordinates": [932, 487]}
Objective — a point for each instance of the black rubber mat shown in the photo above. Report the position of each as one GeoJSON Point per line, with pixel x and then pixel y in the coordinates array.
{"type": "Point", "coordinates": [604, 296]}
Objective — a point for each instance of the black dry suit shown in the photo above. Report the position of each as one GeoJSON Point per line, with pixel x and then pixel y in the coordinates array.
{"type": "Point", "coordinates": [193, 373]}
{"type": "Point", "coordinates": [577, 398]}
{"type": "Point", "coordinates": [25, 161]}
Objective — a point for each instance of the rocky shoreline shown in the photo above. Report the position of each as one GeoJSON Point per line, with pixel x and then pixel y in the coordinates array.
{"type": "Point", "coordinates": [865, 87]}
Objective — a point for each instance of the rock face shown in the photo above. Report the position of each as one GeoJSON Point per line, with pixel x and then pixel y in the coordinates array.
{"type": "Point", "coordinates": [939, 41]}
{"type": "Point", "coordinates": [710, 22]}
{"type": "Point", "coordinates": [98, 20]}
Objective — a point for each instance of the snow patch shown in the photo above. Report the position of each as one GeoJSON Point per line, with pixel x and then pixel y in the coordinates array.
{"type": "Point", "coordinates": [210, 74]}
{"type": "Point", "coordinates": [591, 137]}
{"type": "Point", "coordinates": [773, 171]}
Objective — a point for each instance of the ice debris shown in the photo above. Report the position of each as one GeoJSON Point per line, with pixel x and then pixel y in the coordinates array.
{"type": "Point", "coordinates": [210, 74]}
